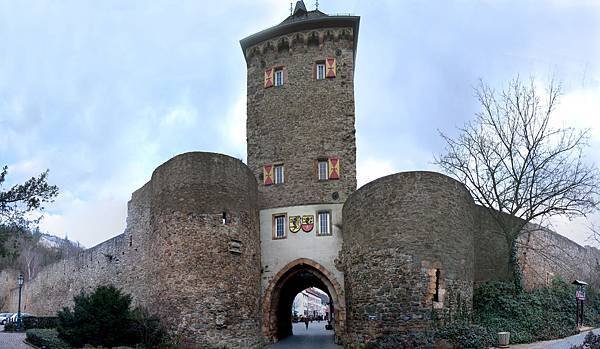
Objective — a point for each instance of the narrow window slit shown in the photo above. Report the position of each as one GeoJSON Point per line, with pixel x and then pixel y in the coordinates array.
{"type": "Point", "coordinates": [436, 296]}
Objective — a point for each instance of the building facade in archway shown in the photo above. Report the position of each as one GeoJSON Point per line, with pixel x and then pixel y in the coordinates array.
{"type": "Point", "coordinates": [279, 295]}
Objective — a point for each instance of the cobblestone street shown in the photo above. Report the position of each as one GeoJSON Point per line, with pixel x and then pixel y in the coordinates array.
{"type": "Point", "coordinates": [315, 337]}
{"type": "Point", "coordinates": [12, 340]}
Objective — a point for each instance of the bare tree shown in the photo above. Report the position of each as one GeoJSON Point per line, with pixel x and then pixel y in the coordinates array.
{"type": "Point", "coordinates": [31, 255]}
{"type": "Point", "coordinates": [517, 165]}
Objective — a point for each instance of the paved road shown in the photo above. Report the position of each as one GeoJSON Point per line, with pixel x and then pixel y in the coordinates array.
{"type": "Point", "coordinates": [315, 337]}
{"type": "Point", "coordinates": [565, 343]}
{"type": "Point", "coordinates": [318, 337]}
{"type": "Point", "coordinates": [12, 340]}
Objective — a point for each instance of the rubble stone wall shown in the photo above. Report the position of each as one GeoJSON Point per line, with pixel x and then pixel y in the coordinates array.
{"type": "Point", "coordinates": [176, 257]}
{"type": "Point", "coordinates": [399, 232]}
{"type": "Point", "coordinates": [305, 119]}
{"type": "Point", "coordinates": [543, 255]}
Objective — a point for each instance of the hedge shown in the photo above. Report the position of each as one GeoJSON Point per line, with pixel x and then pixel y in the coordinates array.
{"type": "Point", "coordinates": [46, 338]}
{"type": "Point", "coordinates": [40, 322]}
{"type": "Point", "coordinates": [542, 314]}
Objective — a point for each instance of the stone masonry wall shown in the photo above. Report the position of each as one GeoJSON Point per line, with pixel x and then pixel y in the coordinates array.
{"type": "Point", "coordinates": [303, 120]}
{"type": "Point", "coordinates": [125, 261]}
{"type": "Point", "coordinates": [175, 256]}
{"type": "Point", "coordinates": [209, 294]}
{"type": "Point", "coordinates": [543, 255]}
{"type": "Point", "coordinates": [491, 250]}
{"type": "Point", "coordinates": [398, 231]}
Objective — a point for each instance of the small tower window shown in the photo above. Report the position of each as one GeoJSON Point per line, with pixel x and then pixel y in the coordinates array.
{"type": "Point", "coordinates": [436, 295]}
{"type": "Point", "coordinates": [279, 226]}
{"type": "Point", "coordinates": [279, 174]}
{"type": "Point", "coordinates": [224, 218]}
{"type": "Point", "coordinates": [323, 169]}
{"type": "Point", "coordinates": [324, 223]}
{"type": "Point", "coordinates": [279, 77]}
{"type": "Point", "coordinates": [321, 71]}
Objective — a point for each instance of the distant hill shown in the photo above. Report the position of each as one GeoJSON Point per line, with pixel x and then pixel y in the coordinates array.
{"type": "Point", "coordinates": [51, 241]}
{"type": "Point", "coordinates": [29, 251]}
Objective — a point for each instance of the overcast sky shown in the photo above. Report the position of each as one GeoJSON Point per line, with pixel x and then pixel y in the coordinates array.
{"type": "Point", "coordinates": [102, 92]}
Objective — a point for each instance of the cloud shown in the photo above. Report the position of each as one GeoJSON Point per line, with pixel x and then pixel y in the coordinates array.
{"type": "Point", "coordinates": [104, 92]}
{"type": "Point", "coordinates": [233, 128]}
{"type": "Point", "coordinates": [88, 222]}
{"type": "Point", "coordinates": [372, 168]}
{"type": "Point", "coordinates": [579, 229]}
{"type": "Point", "coordinates": [580, 108]}
{"type": "Point", "coordinates": [181, 116]}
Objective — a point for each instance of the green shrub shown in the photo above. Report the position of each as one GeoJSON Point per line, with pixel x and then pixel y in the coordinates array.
{"type": "Point", "coordinates": [543, 314]}
{"type": "Point", "coordinates": [466, 336]}
{"type": "Point", "coordinates": [105, 318]}
{"type": "Point", "coordinates": [591, 308]}
{"type": "Point", "coordinates": [147, 329]}
{"type": "Point", "coordinates": [46, 338]}
{"type": "Point", "coordinates": [10, 327]}
{"type": "Point", "coordinates": [101, 318]}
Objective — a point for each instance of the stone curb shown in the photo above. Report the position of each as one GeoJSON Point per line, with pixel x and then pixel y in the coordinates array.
{"type": "Point", "coordinates": [29, 344]}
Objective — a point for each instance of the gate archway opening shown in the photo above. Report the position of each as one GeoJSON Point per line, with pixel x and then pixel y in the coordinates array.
{"type": "Point", "coordinates": [313, 304]}
{"type": "Point", "coordinates": [279, 296]}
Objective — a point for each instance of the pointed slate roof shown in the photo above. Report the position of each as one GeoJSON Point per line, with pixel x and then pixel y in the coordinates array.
{"type": "Point", "coordinates": [300, 15]}
{"type": "Point", "coordinates": [300, 8]}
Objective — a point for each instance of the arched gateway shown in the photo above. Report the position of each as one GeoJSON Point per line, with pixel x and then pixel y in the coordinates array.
{"type": "Point", "coordinates": [288, 282]}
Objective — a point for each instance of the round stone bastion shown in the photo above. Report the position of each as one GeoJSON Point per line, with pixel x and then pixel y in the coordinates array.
{"type": "Point", "coordinates": [407, 256]}
{"type": "Point", "coordinates": [207, 248]}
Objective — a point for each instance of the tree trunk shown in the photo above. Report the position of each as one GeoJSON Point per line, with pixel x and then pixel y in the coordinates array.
{"type": "Point", "coordinates": [516, 268]}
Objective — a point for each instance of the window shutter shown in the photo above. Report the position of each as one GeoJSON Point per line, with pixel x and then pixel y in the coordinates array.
{"type": "Point", "coordinates": [314, 71]}
{"type": "Point", "coordinates": [268, 174]}
{"type": "Point", "coordinates": [285, 76]}
{"type": "Point", "coordinates": [269, 78]}
{"type": "Point", "coordinates": [330, 68]}
{"type": "Point", "coordinates": [334, 168]}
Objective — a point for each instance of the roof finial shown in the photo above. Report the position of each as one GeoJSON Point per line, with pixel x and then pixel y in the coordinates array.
{"type": "Point", "coordinates": [291, 7]}
{"type": "Point", "coordinates": [317, 4]}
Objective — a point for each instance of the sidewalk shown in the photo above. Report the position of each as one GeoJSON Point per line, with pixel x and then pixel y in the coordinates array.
{"type": "Point", "coordinates": [564, 343]}
{"type": "Point", "coordinates": [312, 338]}
{"type": "Point", "coordinates": [12, 340]}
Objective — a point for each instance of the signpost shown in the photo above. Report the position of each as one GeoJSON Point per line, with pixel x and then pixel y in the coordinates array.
{"type": "Point", "coordinates": [579, 298]}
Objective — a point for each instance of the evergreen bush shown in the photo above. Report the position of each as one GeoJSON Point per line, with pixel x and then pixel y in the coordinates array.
{"type": "Point", "coordinates": [10, 327]}
{"type": "Point", "coordinates": [46, 338]}
{"type": "Point", "coordinates": [105, 318]}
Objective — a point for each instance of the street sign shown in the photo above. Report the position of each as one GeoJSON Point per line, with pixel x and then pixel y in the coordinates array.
{"type": "Point", "coordinates": [580, 295]}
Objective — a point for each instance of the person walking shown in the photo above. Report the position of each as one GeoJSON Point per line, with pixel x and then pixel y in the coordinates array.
{"type": "Point", "coordinates": [306, 322]}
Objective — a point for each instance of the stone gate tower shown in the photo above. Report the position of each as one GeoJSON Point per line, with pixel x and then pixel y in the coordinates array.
{"type": "Point", "coordinates": [301, 141]}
